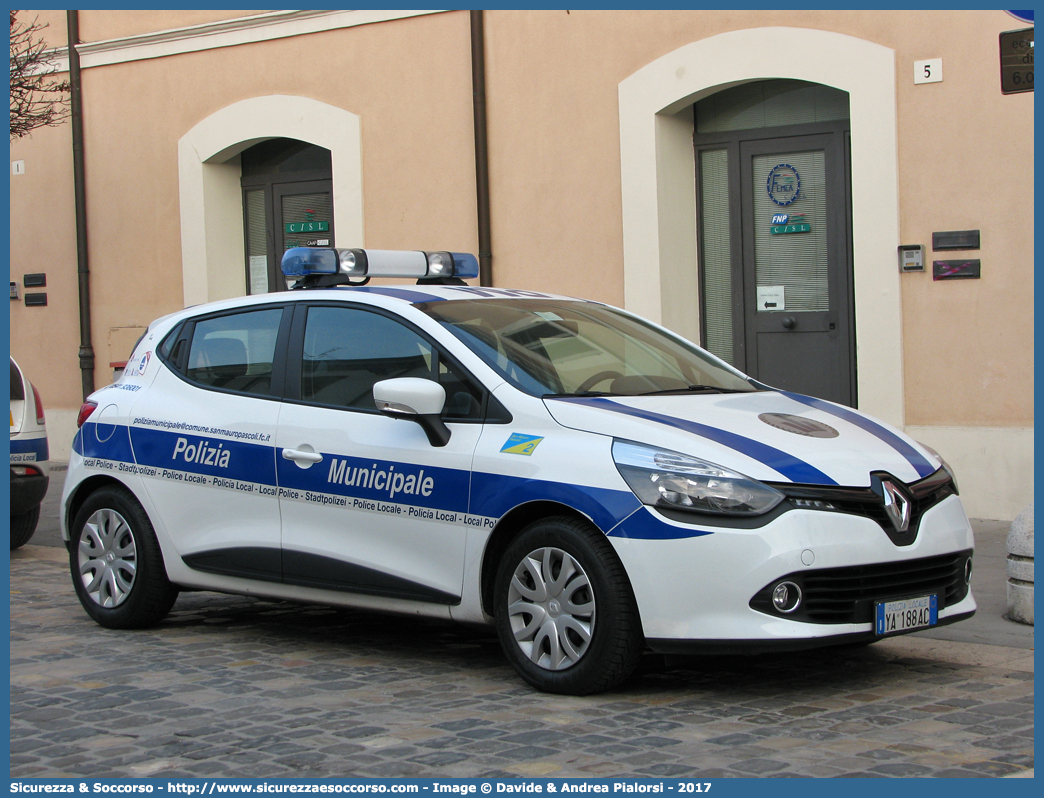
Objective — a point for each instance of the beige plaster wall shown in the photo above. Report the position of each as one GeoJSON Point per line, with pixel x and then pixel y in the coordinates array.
{"type": "Point", "coordinates": [101, 25]}
{"type": "Point", "coordinates": [418, 186]}
{"type": "Point", "coordinates": [45, 340]}
{"type": "Point", "coordinates": [965, 161]}
{"type": "Point", "coordinates": [56, 31]}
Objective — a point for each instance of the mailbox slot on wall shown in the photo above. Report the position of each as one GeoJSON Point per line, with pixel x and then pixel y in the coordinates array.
{"type": "Point", "coordinates": [956, 239]}
{"type": "Point", "coordinates": [956, 269]}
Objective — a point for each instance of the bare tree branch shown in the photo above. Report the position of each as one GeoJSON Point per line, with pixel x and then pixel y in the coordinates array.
{"type": "Point", "coordinates": [36, 99]}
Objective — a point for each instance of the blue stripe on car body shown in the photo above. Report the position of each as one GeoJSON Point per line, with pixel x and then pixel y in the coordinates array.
{"type": "Point", "coordinates": [199, 454]}
{"type": "Point", "coordinates": [786, 464]}
{"type": "Point", "coordinates": [453, 490]}
{"type": "Point", "coordinates": [37, 446]}
{"type": "Point", "coordinates": [494, 495]}
{"type": "Point", "coordinates": [919, 463]}
{"type": "Point", "coordinates": [643, 524]}
{"type": "Point", "coordinates": [107, 441]}
{"type": "Point", "coordinates": [358, 478]}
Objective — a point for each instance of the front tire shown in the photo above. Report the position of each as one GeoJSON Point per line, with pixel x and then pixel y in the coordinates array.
{"type": "Point", "coordinates": [116, 562]}
{"type": "Point", "coordinates": [23, 527]}
{"type": "Point", "coordinates": [564, 610]}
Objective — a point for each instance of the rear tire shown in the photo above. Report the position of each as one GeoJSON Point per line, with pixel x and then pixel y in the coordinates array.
{"type": "Point", "coordinates": [116, 562]}
{"type": "Point", "coordinates": [564, 610]}
{"type": "Point", "coordinates": [23, 527]}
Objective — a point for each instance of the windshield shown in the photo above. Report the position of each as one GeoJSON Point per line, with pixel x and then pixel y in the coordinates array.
{"type": "Point", "coordinates": [575, 348]}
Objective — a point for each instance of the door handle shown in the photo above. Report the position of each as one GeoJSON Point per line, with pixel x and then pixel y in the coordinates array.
{"type": "Point", "coordinates": [302, 457]}
{"type": "Point", "coordinates": [788, 322]}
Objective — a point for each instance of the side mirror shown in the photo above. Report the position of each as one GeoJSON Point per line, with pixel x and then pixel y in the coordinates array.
{"type": "Point", "coordinates": [417, 400]}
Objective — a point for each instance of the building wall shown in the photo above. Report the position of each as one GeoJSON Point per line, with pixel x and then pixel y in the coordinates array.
{"type": "Point", "coordinates": [964, 161]}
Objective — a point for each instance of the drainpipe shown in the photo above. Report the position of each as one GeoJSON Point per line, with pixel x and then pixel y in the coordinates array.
{"type": "Point", "coordinates": [478, 96]}
{"type": "Point", "coordinates": [80, 189]}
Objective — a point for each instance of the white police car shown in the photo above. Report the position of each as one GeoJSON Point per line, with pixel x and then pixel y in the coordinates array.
{"type": "Point", "coordinates": [30, 469]}
{"type": "Point", "coordinates": [583, 480]}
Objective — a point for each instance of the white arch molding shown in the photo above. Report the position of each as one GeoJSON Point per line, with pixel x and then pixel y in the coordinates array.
{"type": "Point", "coordinates": [213, 258]}
{"type": "Point", "coordinates": [658, 181]}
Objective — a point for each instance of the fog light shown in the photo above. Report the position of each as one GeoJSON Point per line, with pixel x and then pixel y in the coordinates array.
{"type": "Point", "coordinates": [786, 597]}
{"type": "Point", "coordinates": [967, 571]}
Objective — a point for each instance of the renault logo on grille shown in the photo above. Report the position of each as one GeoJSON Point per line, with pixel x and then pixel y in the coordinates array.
{"type": "Point", "coordinates": [896, 505]}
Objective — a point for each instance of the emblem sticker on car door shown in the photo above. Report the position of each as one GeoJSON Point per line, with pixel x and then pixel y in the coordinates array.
{"type": "Point", "coordinates": [521, 444]}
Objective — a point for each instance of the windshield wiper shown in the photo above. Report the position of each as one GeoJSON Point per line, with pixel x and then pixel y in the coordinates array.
{"type": "Point", "coordinates": [578, 393]}
{"type": "Point", "coordinates": [692, 389]}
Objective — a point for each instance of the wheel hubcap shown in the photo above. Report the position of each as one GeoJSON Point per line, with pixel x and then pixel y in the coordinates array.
{"type": "Point", "coordinates": [551, 609]}
{"type": "Point", "coordinates": [107, 558]}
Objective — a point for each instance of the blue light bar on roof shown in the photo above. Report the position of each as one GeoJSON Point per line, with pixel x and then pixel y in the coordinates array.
{"type": "Point", "coordinates": [299, 261]}
{"type": "Point", "coordinates": [465, 265]}
{"type": "Point", "coordinates": [302, 261]}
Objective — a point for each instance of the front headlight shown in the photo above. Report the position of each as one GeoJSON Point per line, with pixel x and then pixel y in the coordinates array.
{"type": "Point", "coordinates": [945, 465]}
{"type": "Point", "coordinates": [662, 478]}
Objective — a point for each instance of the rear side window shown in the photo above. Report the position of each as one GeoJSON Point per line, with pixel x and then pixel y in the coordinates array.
{"type": "Point", "coordinates": [235, 352]}
{"type": "Point", "coordinates": [17, 391]}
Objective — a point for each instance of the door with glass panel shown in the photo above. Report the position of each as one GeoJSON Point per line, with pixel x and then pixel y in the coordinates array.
{"type": "Point", "coordinates": [773, 194]}
{"type": "Point", "coordinates": [287, 202]}
{"type": "Point", "coordinates": [797, 296]}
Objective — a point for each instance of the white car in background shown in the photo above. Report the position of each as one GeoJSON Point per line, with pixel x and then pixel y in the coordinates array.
{"type": "Point", "coordinates": [30, 471]}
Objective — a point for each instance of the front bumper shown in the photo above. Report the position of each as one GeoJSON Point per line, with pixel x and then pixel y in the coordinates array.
{"type": "Point", "coordinates": [695, 593]}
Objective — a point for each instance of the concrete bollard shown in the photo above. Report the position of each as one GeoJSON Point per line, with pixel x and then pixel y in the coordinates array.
{"type": "Point", "coordinates": [1020, 568]}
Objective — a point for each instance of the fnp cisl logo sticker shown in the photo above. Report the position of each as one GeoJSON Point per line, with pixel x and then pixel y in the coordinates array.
{"type": "Point", "coordinates": [783, 184]}
{"type": "Point", "coordinates": [521, 444]}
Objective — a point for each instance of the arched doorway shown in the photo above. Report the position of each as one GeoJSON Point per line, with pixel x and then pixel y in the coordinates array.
{"type": "Point", "coordinates": [657, 164]}
{"type": "Point", "coordinates": [287, 202]}
{"type": "Point", "coordinates": [213, 236]}
{"type": "Point", "coordinates": [773, 199]}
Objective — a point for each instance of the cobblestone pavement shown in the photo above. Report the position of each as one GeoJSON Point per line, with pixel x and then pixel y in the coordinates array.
{"type": "Point", "coordinates": [239, 687]}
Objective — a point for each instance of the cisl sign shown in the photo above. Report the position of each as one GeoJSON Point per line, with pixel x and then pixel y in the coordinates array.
{"type": "Point", "coordinates": [307, 227]}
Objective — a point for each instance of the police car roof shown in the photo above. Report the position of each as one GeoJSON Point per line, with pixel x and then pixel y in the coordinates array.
{"type": "Point", "coordinates": [417, 294]}
{"type": "Point", "coordinates": [375, 294]}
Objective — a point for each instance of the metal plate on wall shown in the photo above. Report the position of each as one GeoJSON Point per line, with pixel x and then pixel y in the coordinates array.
{"type": "Point", "coordinates": [1016, 61]}
{"type": "Point", "coordinates": [955, 269]}
{"type": "Point", "coordinates": [956, 239]}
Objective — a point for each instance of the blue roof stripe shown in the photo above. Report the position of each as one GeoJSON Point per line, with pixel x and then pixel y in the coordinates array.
{"type": "Point", "coordinates": [919, 463]}
{"type": "Point", "coordinates": [786, 464]}
{"type": "Point", "coordinates": [406, 294]}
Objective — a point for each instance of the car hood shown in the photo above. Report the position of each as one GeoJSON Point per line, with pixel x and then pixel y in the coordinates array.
{"type": "Point", "coordinates": [772, 436]}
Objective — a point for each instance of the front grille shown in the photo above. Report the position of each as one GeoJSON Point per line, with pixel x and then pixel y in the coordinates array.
{"type": "Point", "coordinates": [847, 595]}
{"type": "Point", "coordinates": [869, 502]}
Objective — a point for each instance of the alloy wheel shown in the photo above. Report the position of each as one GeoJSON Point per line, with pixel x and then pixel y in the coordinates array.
{"type": "Point", "coordinates": [551, 608]}
{"type": "Point", "coordinates": [107, 558]}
